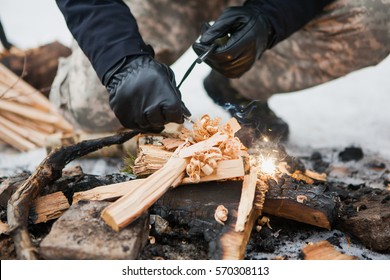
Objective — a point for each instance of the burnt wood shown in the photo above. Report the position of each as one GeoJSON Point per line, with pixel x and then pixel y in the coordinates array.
{"type": "Point", "coordinates": [48, 171]}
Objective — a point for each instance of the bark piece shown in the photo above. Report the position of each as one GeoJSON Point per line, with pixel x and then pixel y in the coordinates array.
{"type": "Point", "coordinates": [49, 207]}
{"type": "Point", "coordinates": [81, 234]}
{"type": "Point", "coordinates": [320, 207]}
{"type": "Point", "coordinates": [323, 250]}
{"type": "Point", "coordinates": [138, 200]}
{"type": "Point", "coordinates": [9, 186]}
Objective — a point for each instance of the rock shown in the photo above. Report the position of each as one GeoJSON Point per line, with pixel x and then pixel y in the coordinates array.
{"type": "Point", "coordinates": [81, 234]}
{"type": "Point", "coordinates": [351, 153]}
{"type": "Point", "coordinates": [368, 219]}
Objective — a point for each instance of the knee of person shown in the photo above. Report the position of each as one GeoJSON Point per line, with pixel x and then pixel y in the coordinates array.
{"type": "Point", "coordinates": [95, 119]}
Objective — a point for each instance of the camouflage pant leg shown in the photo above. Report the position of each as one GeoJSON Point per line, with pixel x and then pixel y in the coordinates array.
{"type": "Point", "coordinates": [348, 35]}
{"type": "Point", "coordinates": [79, 95]}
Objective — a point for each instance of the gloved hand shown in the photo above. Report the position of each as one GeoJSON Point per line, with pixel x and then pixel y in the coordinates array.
{"type": "Point", "coordinates": [250, 34]}
{"type": "Point", "coordinates": [143, 94]}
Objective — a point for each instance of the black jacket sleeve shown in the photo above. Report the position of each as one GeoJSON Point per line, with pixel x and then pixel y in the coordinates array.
{"type": "Point", "coordinates": [288, 16]}
{"type": "Point", "coordinates": [105, 30]}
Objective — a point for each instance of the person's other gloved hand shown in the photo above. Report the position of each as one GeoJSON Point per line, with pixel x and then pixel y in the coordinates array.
{"type": "Point", "coordinates": [250, 34]}
{"type": "Point", "coordinates": [143, 94]}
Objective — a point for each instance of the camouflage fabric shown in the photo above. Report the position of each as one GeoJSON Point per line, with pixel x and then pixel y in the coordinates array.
{"type": "Point", "coordinates": [348, 35]}
{"type": "Point", "coordinates": [79, 95]}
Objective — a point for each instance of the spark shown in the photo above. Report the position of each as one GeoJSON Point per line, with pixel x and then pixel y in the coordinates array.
{"type": "Point", "coordinates": [267, 165]}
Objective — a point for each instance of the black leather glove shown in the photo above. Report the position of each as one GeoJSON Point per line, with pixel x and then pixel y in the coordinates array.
{"type": "Point", "coordinates": [143, 94]}
{"type": "Point", "coordinates": [250, 34]}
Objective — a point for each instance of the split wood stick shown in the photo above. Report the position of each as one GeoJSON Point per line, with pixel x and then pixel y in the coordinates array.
{"type": "Point", "coordinates": [234, 125]}
{"type": "Point", "coordinates": [226, 169]}
{"type": "Point", "coordinates": [44, 128]}
{"type": "Point", "coordinates": [11, 80]}
{"type": "Point", "coordinates": [109, 192]}
{"type": "Point", "coordinates": [35, 114]}
{"type": "Point", "coordinates": [49, 207]}
{"type": "Point", "coordinates": [15, 140]}
{"type": "Point", "coordinates": [171, 144]}
{"type": "Point", "coordinates": [26, 133]}
{"type": "Point", "coordinates": [28, 112]}
{"type": "Point", "coordinates": [323, 250]}
{"type": "Point", "coordinates": [246, 200]}
{"type": "Point", "coordinates": [138, 200]}
{"type": "Point", "coordinates": [12, 95]}
{"type": "Point", "coordinates": [3, 228]}
{"type": "Point", "coordinates": [233, 244]}
{"type": "Point", "coordinates": [203, 145]}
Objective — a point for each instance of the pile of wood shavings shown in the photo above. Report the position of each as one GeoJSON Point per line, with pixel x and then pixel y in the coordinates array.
{"type": "Point", "coordinates": [205, 162]}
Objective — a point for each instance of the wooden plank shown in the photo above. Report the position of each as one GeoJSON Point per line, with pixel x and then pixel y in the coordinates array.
{"type": "Point", "coordinates": [246, 201]}
{"type": "Point", "coordinates": [49, 207]}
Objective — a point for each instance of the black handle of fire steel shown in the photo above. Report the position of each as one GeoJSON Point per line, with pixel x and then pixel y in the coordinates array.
{"type": "Point", "coordinates": [200, 59]}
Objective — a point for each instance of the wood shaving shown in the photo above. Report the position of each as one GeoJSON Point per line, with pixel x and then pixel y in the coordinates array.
{"type": "Point", "coordinates": [301, 198]}
{"type": "Point", "coordinates": [301, 177]}
{"type": "Point", "coordinates": [221, 214]}
{"type": "Point", "coordinates": [205, 162]}
{"type": "Point", "coordinates": [261, 190]}
{"type": "Point", "coordinates": [205, 128]}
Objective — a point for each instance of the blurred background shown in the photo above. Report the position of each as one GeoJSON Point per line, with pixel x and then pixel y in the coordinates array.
{"type": "Point", "coordinates": [353, 110]}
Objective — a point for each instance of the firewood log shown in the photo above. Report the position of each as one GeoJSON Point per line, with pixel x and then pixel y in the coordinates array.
{"type": "Point", "coordinates": [323, 250]}
{"type": "Point", "coordinates": [49, 207]}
